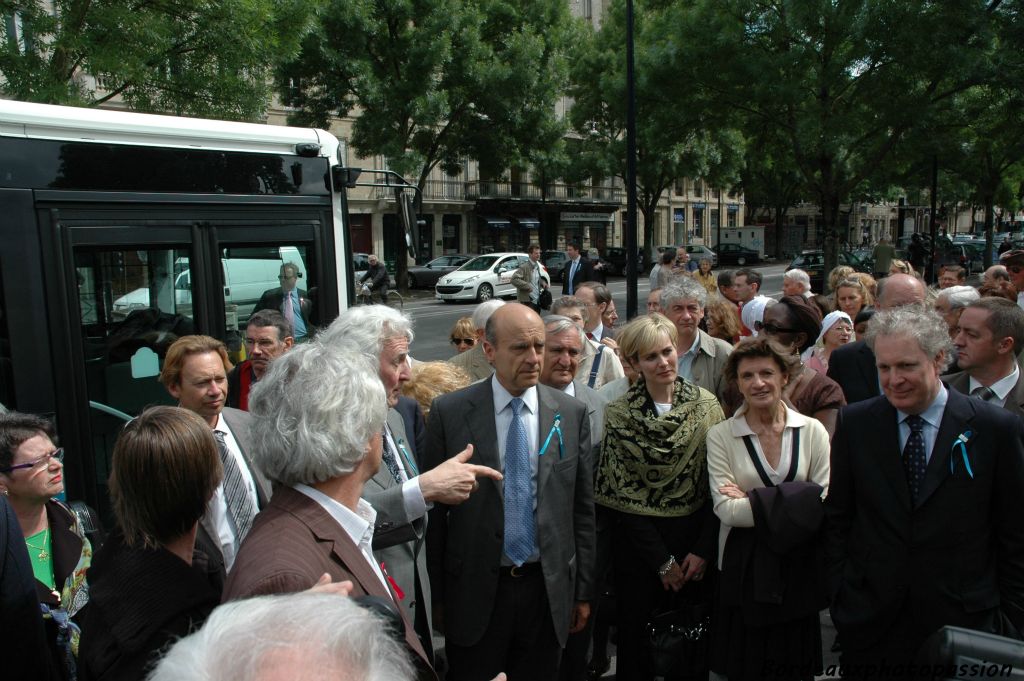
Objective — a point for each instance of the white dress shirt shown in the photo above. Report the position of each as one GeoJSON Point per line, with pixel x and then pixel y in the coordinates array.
{"type": "Point", "coordinates": [531, 421]}
{"type": "Point", "coordinates": [357, 524]}
{"type": "Point", "coordinates": [932, 419]}
{"type": "Point", "coordinates": [1001, 388]}
{"type": "Point", "coordinates": [217, 507]}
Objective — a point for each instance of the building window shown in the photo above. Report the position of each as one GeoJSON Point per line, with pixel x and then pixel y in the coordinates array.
{"type": "Point", "coordinates": [680, 187]}
{"type": "Point", "coordinates": [732, 218]}
{"type": "Point", "coordinates": [698, 187]}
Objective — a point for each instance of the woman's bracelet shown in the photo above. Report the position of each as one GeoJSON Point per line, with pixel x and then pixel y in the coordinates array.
{"type": "Point", "coordinates": [667, 567]}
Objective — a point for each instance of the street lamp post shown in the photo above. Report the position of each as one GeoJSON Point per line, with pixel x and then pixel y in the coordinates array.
{"type": "Point", "coordinates": [631, 241]}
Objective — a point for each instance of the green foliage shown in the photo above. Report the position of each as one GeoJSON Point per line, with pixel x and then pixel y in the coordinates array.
{"type": "Point", "coordinates": [190, 57]}
{"type": "Point", "coordinates": [437, 81]}
{"type": "Point", "coordinates": [676, 135]}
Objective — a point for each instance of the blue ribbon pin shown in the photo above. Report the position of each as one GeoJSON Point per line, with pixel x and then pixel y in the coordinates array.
{"type": "Point", "coordinates": [407, 457]}
{"type": "Point", "coordinates": [555, 428]}
{"type": "Point", "coordinates": [961, 443]}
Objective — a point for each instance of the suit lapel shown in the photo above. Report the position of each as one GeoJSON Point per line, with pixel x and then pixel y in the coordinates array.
{"type": "Point", "coordinates": [546, 421]}
{"type": "Point", "coordinates": [1015, 400]}
{"type": "Point", "coordinates": [480, 422]}
{"type": "Point", "coordinates": [383, 478]}
{"type": "Point", "coordinates": [955, 420]}
{"type": "Point", "coordinates": [868, 369]}
{"type": "Point", "coordinates": [888, 454]}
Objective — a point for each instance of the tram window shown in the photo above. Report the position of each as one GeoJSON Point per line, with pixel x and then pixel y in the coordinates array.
{"type": "Point", "coordinates": [260, 277]}
{"type": "Point", "coordinates": [6, 367]}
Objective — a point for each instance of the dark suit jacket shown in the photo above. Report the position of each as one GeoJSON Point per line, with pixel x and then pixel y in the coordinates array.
{"type": "Point", "coordinates": [465, 542]}
{"type": "Point", "coordinates": [294, 541]}
{"type": "Point", "coordinates": [273, 299]}
{"type": "Point", "coordinates": [1014, 400]}
{"type": "Point", "coordinates": [240, 423]}
{"type": "Point", "coordinates": [852, 366]}
{"type": "Point", "coordinates": [899, 572]}
{"type": "Point", "coordinates": [585, 272]}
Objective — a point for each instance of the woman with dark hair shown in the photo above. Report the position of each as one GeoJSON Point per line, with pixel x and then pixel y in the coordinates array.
{"type": "Point", "coordinates": [767, 462]}
{"type": "Point", "coordinates": [31, 475]}
{"type": "Point", "coordinates": [652, 480]}
{"type": "Point", "coordinates": [149, 585]}
{"type": "Point", "coordinates": [795, 323]}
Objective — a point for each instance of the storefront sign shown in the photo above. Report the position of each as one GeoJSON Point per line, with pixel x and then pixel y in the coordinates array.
{"type": "Point", "coordinates": [567, 216]}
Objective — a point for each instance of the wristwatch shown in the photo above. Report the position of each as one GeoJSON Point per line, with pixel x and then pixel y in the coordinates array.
{"type": "Point", "coordinates": [664, 569]}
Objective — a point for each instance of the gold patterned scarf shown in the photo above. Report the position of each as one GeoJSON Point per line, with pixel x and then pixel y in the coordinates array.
{"type": "Point", "coordinates": [657, 465]}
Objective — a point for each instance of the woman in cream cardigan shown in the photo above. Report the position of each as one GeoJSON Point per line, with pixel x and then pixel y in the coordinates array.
{"type": "Point", "coordinates": [768, 467]}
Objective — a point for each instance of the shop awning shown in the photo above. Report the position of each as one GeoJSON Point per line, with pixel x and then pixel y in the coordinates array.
{"type": "Point", "coordinates": [528, 222]}
{"type": "Point", "coordinates": [496, 222]}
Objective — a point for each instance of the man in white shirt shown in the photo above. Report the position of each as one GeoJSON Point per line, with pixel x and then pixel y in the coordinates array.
{"type": "Point", "coordinates": [988, 339]}
{"type": "Point", "coordinates": [195, 373]}
{"type": "Point", "coordinates": [596, 297]}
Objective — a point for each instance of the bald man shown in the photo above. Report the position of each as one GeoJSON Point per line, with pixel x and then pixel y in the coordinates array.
{"type": "Point", "coordinates": [485, 556]}
{"type": "Point", "coordinates": [852, 366]}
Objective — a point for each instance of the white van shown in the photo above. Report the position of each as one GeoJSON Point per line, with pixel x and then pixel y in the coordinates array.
{"type": "Point", "coordinates": [248, 272]}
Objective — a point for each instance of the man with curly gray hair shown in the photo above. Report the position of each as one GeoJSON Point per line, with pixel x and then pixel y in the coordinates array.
{"type": "Point", "coordinates": [924, 505]}
{"type": "Point", "coordinates": [398, 493]}
{"type": "Point", "coordinates": [317, 419]}
{"type": "Point", "coordinates": [702, 357]}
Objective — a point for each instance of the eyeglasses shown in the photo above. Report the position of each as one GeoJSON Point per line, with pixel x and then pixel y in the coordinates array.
{"type": "Point", "coordinates": [262, 343]}
{"type": "Point", "coordinates": [771, 328]}
{"type": "Point", "coordinates": [41, 461]}
{"type": "Point", "coordinates": [463, 341]}
{"type": "Point", "coordinates": [1016, 269]}
{"type": "Point", "coordinates": [284, 277]}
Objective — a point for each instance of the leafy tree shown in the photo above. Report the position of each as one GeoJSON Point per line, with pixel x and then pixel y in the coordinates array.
{"type": "Point", "coordinates": [841, 82]}
{"type": "Point", "coordinates": [676, 137]}
{"type": "Point", "coordinates": [436, 81]}
{"type": "Point", "coordinates": [190, 57]}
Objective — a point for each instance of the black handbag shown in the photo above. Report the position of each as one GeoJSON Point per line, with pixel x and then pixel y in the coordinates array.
{"type": "Point", "coordinates": [678, 640]}
{"type": "Point", "coordinates": [544, 302]}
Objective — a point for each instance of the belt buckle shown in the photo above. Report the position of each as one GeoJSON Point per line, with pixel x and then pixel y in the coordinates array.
{"type": "Point", "coordinates": [513, 573]}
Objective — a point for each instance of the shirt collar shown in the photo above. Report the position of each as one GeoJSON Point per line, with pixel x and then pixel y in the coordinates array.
{"type": "Point", "coordinates": [933, 414]}
{"type": "Point", "coordinates": [570, 389]}
{"type": "Point", "coordinates": [502, 397]}
{"type": "Point", "coordinates": [695, 348]}
{"type": "Point", "coordinates": [598, 332]}
{"type": "Point", "coordinates": [357, 524]}
{"type": "Point", "coordinates": [1003, 386]}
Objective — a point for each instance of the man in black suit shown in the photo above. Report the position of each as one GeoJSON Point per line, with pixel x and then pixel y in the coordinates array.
{"type": "Point", "coordinates": [989, 336]}
{"type": "Point", "coordinates": [291, 301]}
{"type": "Point", "coordinates": [923, 508]}
{"type": "Point", "coordinates": [578, 269]}
{"type": "Point", "coordinates": [852, 366]}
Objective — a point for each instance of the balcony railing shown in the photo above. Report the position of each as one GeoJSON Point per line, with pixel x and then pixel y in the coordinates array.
{"type": "Point", "coordinates": [457, 190]}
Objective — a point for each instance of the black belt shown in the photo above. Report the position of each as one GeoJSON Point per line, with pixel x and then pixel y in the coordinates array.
{"type": "Point", "coordinates": [517, 571]}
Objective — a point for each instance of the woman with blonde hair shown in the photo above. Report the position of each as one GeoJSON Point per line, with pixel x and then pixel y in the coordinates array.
{"type": "Point", "coordinates": [837, 275]}
{"type": "Point", "coordinates": [722, 320]}
{"type": "Point", "coordinates": [901, 267]}
{"type": "Point", "coordinates": [463, 335]}
{"type": "Point", "coordinates": [433, 379]}
{"type": "Point", "coordinates": [852, 297]}
{"type": "Point", "coordinates": [652, 480]}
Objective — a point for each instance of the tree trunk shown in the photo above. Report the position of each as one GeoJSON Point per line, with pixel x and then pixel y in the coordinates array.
{"type": "Point", "coordinates": [830, 218]}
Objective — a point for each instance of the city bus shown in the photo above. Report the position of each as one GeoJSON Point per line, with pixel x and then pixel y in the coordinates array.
{"type": "Point", "coordinates": [120, 232]}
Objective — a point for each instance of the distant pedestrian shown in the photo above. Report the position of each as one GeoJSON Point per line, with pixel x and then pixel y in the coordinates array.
{"type": "Point", "coordinates": [883, 255]}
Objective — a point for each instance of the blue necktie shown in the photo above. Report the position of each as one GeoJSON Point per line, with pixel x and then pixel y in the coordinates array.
{"type": "Point", "coordinates": [519, 524]}
{"type": "Point", "coordinates": [914, 459]}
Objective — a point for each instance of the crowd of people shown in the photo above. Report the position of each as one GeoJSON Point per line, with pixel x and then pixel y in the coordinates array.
{"type": "Point", "coordinates": [727, 462]}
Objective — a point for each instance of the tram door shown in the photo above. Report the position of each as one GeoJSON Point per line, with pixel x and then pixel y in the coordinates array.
{"type": "Point", "coordinates": [140, 287]}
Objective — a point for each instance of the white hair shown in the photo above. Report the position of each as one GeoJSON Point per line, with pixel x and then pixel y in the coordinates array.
{"type": "Point", "coordinates": [322, 636]}
{"type": "Point", "coordinates": [800, 277]}
{"type": "Point", "coordinates": [484, 311]}
{"type": "Point", "coordinates": [683, 288]}
{"type": "Point", "coordinates": [314, 413]}
{"type": "Point", "coordinates": [556, 324]}
{"type": "Point", "coordinates": [367, 327]}
{"type": "Point", "coordinates": [959, 296]}
{"type": "Point", "coordinates": [921, 325]}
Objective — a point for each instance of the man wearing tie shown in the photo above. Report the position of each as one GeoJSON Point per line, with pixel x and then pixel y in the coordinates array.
{"type": "Point", "coordinates": [399, 493]}
{"type": "Point", "coordinates": [290, 300]}
{"type": "Point", "coordinates": [512, 567]}
{"type": "Point", "coordinates": [577, 269]}
{"type": "Point", "coordinates": [924, 506]}
{"type": "Point", "coordinates": [195, 373]}
{"type": "Point", "coordinates": [988, 339]}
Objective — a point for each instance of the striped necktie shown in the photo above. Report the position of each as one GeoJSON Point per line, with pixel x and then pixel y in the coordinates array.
{"type": "Point", "coordinates": [984, 393]}
{"type": "Point", "coordinates": [240, 504]}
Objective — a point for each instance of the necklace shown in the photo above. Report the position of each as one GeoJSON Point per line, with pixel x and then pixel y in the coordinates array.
{"type": "Point", "coordinates": [43, 554]}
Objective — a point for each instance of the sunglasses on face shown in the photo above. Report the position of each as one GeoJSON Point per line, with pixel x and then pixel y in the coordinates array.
{"type": "Point", "coordinates": [463, 341]}
{"type": "Point", "coordinates": [771, 328]}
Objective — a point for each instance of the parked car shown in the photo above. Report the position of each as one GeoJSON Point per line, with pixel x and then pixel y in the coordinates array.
{"type": "Point", "coordinates": [734, 254]}
{"type": "Point", "coordinates": [616, 259]}
{"type": "Point", "coordinates": [813, 262]}
{"type": "Point", "coordinates": [698, 252]}
{"type": "Point", "coordinates": [426, 276]}
{"type": "Point", "coordinates": [555, 262]}
{"type": "Point", "coordinates": [482, 278]}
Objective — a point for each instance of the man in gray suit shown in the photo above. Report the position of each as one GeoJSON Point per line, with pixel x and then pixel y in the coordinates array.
{"type": "Point", "coordinates": [473, 361]}
{"type": "Point", "coordinates": [988, 339]}
{"type": "Point", "coordinates": [512, 567]}
{"type": "Point", "coordinates": [398, 492]}
{"type": "Point", "coordinates": [195, 373]}
{"type": "Point", "coordinates": [563, 350]}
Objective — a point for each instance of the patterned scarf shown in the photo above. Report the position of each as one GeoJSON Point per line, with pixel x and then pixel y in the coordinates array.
{"type": "Point", "coordinates": [657, 465]}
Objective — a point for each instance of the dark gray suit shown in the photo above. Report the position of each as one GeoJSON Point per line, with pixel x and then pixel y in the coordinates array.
{"type": "Point", "coordinates": [240, 423]}
{"type": "Point", "coordinates": [398, 538]}
{"type": "Point", "coordinates": [596, 403]}
{"type": "Point", "coordinates": [465, 542]}
{"type": "Point", "coordinates": [961, 382]}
